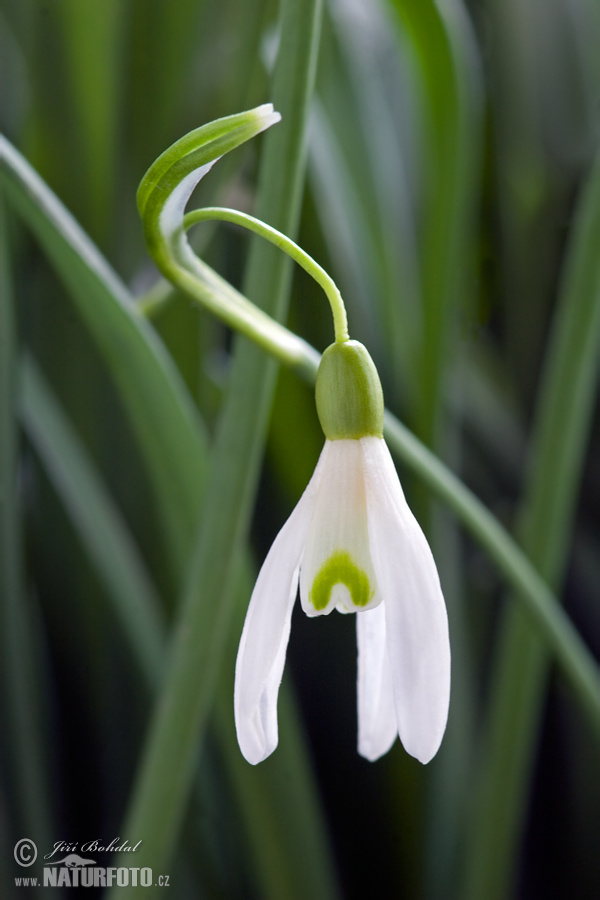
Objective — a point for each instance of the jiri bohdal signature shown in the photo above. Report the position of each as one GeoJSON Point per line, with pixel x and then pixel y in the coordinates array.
{"type": "Point", "coordinates": [95, 846]}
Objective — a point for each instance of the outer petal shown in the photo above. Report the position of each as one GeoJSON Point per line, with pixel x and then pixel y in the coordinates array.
{"type": "Point", "coordinates": [377, 727]}
{"type": "Point", "coordinates": [263, 645]}
{"type": "Point", "coordinates": [415, 612]}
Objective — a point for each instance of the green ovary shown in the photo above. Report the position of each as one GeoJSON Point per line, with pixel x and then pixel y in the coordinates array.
{"type": "Point", "coordinates": [340, 568]}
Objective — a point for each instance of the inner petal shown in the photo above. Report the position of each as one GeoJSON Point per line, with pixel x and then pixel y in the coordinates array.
{"type": "Point", "coordinates": [337, 571]}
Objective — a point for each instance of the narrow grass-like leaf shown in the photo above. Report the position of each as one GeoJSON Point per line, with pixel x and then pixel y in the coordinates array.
{"type": "Point", "coordinates": [136, 607]}
{"type": "Point", "coordinates": [560, 434]}
{"type": "Point", "coordinates": [444, 47]}
{"type": "Point", "coordinates": [21, 664]}
{"type": "Point", "coordinates": [265, 796]}
{"type": "Point", "coordinates": [164, 778]}
{"type": "Point", "coordinates": [360, 154]}
{"type": "Point", "coordinates": [98, 523]}
{"type": "Point", "coordinates": [343, 223]}
{"type": "Point", "coordinates": [443, 53]}
{"type": "Point", "coordinates": [551, 622]}
{"type": "Point", "coordinates": [168, 428]}
{"type": "Point", "coordinates": [92, 41]}
{"type": "Point", "coordinates": [163, 41]}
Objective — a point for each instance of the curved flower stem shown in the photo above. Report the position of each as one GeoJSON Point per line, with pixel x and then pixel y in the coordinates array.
{"type": "Point", "coordinates": [531, 591]}
{"type": "Point", "coordinates": [340, 321]}
{"type": "Point", "coordinates": [162, 196]}
{"type": "Point", "coordinates": [202, 284]}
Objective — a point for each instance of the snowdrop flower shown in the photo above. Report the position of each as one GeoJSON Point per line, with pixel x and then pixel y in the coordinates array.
{"type": "Point", "coordinates": [353, 545]}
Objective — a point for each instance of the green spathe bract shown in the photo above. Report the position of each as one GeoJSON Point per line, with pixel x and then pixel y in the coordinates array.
{"type": "Point", "coordinates": [348, 393]}
{"type": "Point", "coordinates": [198, 148]}
{"type": "Point", "coordinates": [340, 568]}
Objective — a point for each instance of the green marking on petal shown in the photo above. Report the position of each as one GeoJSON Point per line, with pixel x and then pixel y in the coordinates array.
{"type": "Point", "coordinates": [340, 568]}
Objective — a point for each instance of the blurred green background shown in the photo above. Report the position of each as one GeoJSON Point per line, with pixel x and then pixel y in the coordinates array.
{"type": "Point", "coordinates": [450, 190]}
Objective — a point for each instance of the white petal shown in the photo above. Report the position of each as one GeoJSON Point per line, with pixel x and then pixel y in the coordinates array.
{"type": "Point", "coordinates": [263, 645]}
{"type": "Point", "coordinates": [415, 612]}
{"type": "Point", "coordinates": [377, 727]}
{"type": "Point", "coordinates": [337, 571]}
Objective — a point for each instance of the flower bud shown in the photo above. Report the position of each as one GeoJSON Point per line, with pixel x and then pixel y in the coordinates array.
{"type": "Point", "coordinates": [348, 393]}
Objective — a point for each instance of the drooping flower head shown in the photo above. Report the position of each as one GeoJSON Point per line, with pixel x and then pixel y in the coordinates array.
{"type": "Point", "coordinates": [352, 544]}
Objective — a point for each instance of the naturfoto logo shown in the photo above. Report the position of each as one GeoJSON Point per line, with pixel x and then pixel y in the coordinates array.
{"type": "Point", "coordinates": [79, 873]}
{"type": "Point", "coordinates": [67, 868]}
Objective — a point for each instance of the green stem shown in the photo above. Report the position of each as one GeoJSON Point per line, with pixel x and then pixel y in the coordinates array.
{"type": "Point", "coordinates": [231, 307]}
{"type": "Point", "coordinates": [340, 321]}
{"type": "Point", "coordinates": [164, 776]}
